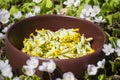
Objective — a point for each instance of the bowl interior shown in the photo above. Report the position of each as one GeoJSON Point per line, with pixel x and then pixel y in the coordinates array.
{"type": "Point", "coordinates": [22, 29]}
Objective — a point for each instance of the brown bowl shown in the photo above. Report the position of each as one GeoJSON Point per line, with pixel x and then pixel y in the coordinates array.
{"type": "Point", "coordinates": [22, 29]}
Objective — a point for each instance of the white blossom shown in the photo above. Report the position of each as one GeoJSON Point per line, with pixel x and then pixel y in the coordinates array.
{"type": "Point", "coordinates": [95, 11]}
{"type": "Point", "coordinates": [30, 14]}
{"type": "Point", "coordinates": [118, 42]}
{"type": "Point", "coordinates": [37, 1]}
{"type": "Point", "coordinates": [2, 36]}
{"type": "Point", "coordinates": [48, 66]}
{"type": "Point", "coordinates": [117, 50]}
{"type": "Point", "coordinates": [68, 76]}
{"type": "Point", "coordinates": [101, 64]}
{"type": "Point", "coordinates": [37, 9]}
{"type": "Point", "coordinates": [7, 27]}
{"type": "Point", "coordinates": [3, 64]}
{"type": "Point", "coordinates": [4, 16]}
{"type": "Point", "coordinates": [92, 69]}
{"type": "Point", "coordinates": [99, 19]}
{"type": "Point", "coordinates": [16, 78]}
{"type": "Point", "coordinates": [17, 15]}
{"type": "Point", "coordinates": [68, 3]}
{"type": "Point", "coordinates": [33, 62]}
{"type": "Point", "coordinates": [7, 71]}
{"type": "Point", "coordinates": [29, 70]}
{"type": "Point", "coordinates": [107, 49]}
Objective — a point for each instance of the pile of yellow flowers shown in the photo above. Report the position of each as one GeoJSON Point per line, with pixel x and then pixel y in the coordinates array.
{"type": "Point", "coordinates": [61, 44]}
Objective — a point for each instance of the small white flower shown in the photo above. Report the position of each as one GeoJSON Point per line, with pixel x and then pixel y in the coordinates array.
{"type": "Point", "coordinates": [99, 19]}
{"type": "Point", "coordinates": [68, 3]}
{"type": "Point", "coordinates": [30, 14]}
{"type": "Point", "coordinates": [77, 3]}
{"type": "Point", "coordinates": [37, 9]}
{"type": "Point", "coordinates": [33, 62]}
{"type": "Point", "coordinates": [95, 11]}
{"type": "Point", "coordinates": [68, 76]}
{"type": "Point", "coordinates": [7, 27]}
{"type": "Point", "coordinates": [48, 66]}
{"type": "Point", "coordinates": [37, 1]}
{"type": "Point", "coordinates": [16, 78]}
{"type": "Point", "coordinates": [3, 64]}
{"type": "Point", "coordinates": [118, 42]}
{"type": "Point", "coordinates": [101, 64]}
{"type": "Point", "coordinates": [117, 50]}
{"type": "Point", "coordinates": [17, 15]}
{"type": "Point", "coordinates": [29, 70]}
{"type": "Point", "coordinates": [107, 49]}
{"type": "Point", "coordinates": [4, 16]}
{"type": "Point", "coordinates": [2, 36]}
{"type": "Point", "coordinates": [92, 69]}
{"type": "Point", "coordinates": [86, 11]}
{"type": "Point", "coordinates": [7, 71]}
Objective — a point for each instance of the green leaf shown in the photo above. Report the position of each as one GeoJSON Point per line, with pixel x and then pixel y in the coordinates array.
{"type": "Point", "coordinates": [102, 77]}
{"type": "Point", "coordinates": [13, 10]}
{"type": "Point", "coordinates": [78, 12]}
{"type": "Point", "coordinates": [113, 41]}
{"type": "Point", "coordinates": [114, 65]}
{"type": "Point", "coordinates": [106, 8]}
{"type": "Point", "coordinates": [49, 4]}
{"type": "Point", "coordinates": [115, 32]}
{"type": "Point", "coordinates": [27, 7]}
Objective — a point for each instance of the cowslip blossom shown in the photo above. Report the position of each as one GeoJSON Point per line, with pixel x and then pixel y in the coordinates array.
{"type": "Point", "coordinates": [92, 69]}
{"type": "Point", "coordinates": [107, 49]}
{"type": "Point", "coordinates": [4, 16]}
{"type": "Point", "coordinates": [48, 66]}
{"type": "Point", "coordinates": [17, 15]}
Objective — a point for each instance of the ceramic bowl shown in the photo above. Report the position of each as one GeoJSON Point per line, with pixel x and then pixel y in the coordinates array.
{"type": "Point", "coordinates": [22, 29]}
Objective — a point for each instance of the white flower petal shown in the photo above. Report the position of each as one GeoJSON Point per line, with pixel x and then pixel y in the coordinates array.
{"type": "Point", "coordinates": [92, 69]}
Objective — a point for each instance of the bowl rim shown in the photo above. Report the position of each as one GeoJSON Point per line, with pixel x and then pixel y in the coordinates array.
{"type": "Point", "coordinates": [54, 15]}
